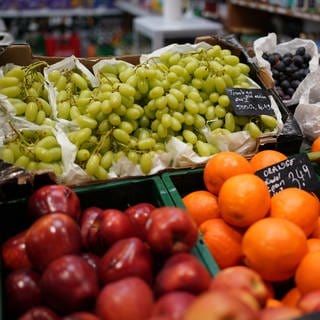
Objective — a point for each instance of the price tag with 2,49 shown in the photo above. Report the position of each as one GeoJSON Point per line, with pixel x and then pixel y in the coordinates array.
{"type": "Point", "coordinates": [296, 171]}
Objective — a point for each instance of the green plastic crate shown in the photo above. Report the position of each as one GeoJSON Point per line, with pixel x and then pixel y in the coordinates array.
{"type": "Point", "coordinates": [119, 194]}
{"type": "Point", "coordinates": [178, 184]}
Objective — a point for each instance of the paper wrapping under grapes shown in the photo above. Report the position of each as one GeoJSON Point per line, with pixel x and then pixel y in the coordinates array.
{"type": "Point", "coordinates": [269, 44]}
{"type": "Point", "coordinates": [106, 122]}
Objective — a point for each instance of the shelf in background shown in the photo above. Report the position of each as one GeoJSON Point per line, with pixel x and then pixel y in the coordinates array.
{"type": "Point", "coordinates": [47, 12]}
{"type": "Point", "coordinates": [277, 10]}
{"type": "Point", "coordinates": [132, 9]}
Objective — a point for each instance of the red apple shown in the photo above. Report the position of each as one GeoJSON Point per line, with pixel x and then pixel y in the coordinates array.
{"type": "Point", "coordinates": [173, 305]}
{"type": "Point", "coordinates": [39, 313]}
{"type": "Point", "coordinates": [219, 305]}
{"type": "Point", "coordinates": [81, 316]}
{"type": "Point", "coordinates": [22, 291]}
{"type": "Point", "coordinates": [126, 257]}
{"type": "Point", "coordinates": [182, 271]}
{"type": "Point", "coordinates": [309, 302]}
{"type": "Point", "coordinates": [69, 284]}
{"type": "Point", "coordinates": [50, 237]}
{"type": "Point", "coordinates": [139, 214]}
{"type": "Point", "coordinates": [89, 229]}
{"type": "Point", "coordinates": [241, 277]}
{"type": "Point", "coordinates": [92, 259]}
{"type": "Point", "coordinates": [130, 298]}
{"type": "Point", "coordinates": [171, 230]}
{"type": "Point", "coordinates": [54, 198]}
{"type": "Point", "coordinates": [114, 226]}
{"type": "Point", "coordinates": [279, 313]}
{"type": "Point", "coordinates": [13, 252]}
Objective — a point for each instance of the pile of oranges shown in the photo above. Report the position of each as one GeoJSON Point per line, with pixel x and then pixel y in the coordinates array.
{"type": "Point", "coordinates": [277, 235]}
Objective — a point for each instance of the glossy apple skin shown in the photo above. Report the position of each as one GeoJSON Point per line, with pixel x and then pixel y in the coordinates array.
{"type": "Point", "coordinates": [310, 302]}
{"type": "Point", "coordinates": [89, 227]}
{"type": "Point", "coordinates": [13, 253]}
{"type": "Point", "coordinates": [40, 313]}
{"type": "Point", "coordinates": [128, 298]}
{"type": "Point", "coordinates": [244, 278]}
{"type": "Point", "coordinates": [126, 257]}
{"type": "Point", "coordinates": [22, 291]}
{"type": "Point", "coordinates": [69, 284]}
{"type": "Point", "coordinates": [114, 226]}
{"type": "Point", "coordinates": [171, 230]}
{"type": "Point", "coordinates": [219, 305]}
{"type": "Point", "coordinates": [173, 305]}
{"type": "Point", "coordinates": [184, 272]}
{"type": "Point", "coordinates": [139, 214]}
{"type": "Point", "coordinates": [81, 316]}
{"type": "Point", "coordinates": [50, 237]}
{"type": "Point", "coordinates": [91, 258]}
{"type": "Point", "coordinates": [54, 198]}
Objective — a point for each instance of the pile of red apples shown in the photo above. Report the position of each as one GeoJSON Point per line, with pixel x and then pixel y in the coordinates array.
{"type": "Point", "coordinates": [96, 263]}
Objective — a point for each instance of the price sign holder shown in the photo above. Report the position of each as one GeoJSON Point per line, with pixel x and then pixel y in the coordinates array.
{"type": "Point", "coordinates": [250, 102]}
{"type": "Point", "coordinates": [296, 171]}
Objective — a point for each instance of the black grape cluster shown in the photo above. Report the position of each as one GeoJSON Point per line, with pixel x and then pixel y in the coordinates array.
{"type": "Point", "coordinates": [288, 70]}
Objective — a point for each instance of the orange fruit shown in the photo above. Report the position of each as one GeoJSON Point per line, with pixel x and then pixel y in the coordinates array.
{"type": "Point", "coordinates": [202, 205]}
{"type": "Point", "coordinates": [273, 303]}
{"type": "Point", "coordinates": [315, 146]}
{"type": "Point", "coordinates": [313, 244]}
{"type": "Point", "coordinates": [291, 297]}
{"type": "Point", "coordinates": [307, 275]}
{"type": "Point", "coordinates": [221, 166]}
{"type": "Point", "coordinates": [316, 232]}
{"type": "Point", "coordinates": [244, 199]}
{"type": "Point", "coordinates": [274, 248]}
{"type": "Point", "coordinates": [266, 158]}
{"type": "Point", "coordinates": [298, 206]}
{"type": "Point", "coordinates": [223, 242]}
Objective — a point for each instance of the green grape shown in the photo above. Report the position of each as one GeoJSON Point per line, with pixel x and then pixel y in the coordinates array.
{"type": "Point", "coordinates": [63, 110]}
{"type": "Point", "coordinates": [201, 72]}
{"type": "Point", "coordinates": [205, 149]}
{"type": "Point", "coordinates": [241, 120]}
{"type": "Point", "coordinates": [121, 135]}
{"type": "Point", "coordinates": [224, 101]}
{"type": "Point", "coordinates": [144, 122]}
{"type": "Point", "coordinates": [209, 85]}
{"type": "Point", "coordinates": [215, 124]}
{"type": "Point", "coordinates": [47, 142]}
{"type": "Point", "coordinates": [162, 131]}
{"type": "Point", "coordinates": [199, 121]}
{"type": "Point", "coordinates": [74, 112]}
{"type": "Point", "coordinates": [85, 121]}
{"type": "Point", "coordinates": [126, 126]}
{"type": "Point", "coordinates": [175, 124]}
{"type": "Point", "coordinates": [126, 90]}
{"type": "Point", "coordinates": [109, 68]}
{"type": "Point", "coordinates": [220, 85]}
{"type": "Point", "coordinates": [202, 108]}
{"type": "Point", "coordinates": [191, 106]}
{"type": "Point", "coordinates": [32, 166]}
{"type": "Point", "coordinates": [195, 96]}
{"type": "Point", "coordinates": [192, 66]}
{"type": "Point", "coordinates": [11, 92]}
{"type": "Point", "coordinates": [161, 102]}
{"type": "Point", "coordinates": [105, 87]}
{"type": "Point", "coordinates": [61, 84]}
{"type": "Point", "coordinates": [154, 125]}
{"type": "Point", "coordinates": [115, 100]}
{"type": "Point", "coordinates": [146, 162]}
{"type": "Point", "coordinates": [228, 80]}
{"type": "Point", "coordinates": [79, 81]}
{"type": "Point", "coordinates": [253, 130]}
{"type": "Point", "coordinates": [103, 95]}
{"type": "Point", "coordinates": [166, 120]}
{"type": "Point", "coordinates": [16, 72]}
{"type": "Point", "coordinates": [107, 160]}
{"type": "Point", "coordinates": [188, 118]}
{"type": "Point", "coordinates": [121, 111]}
{"type": "Point", "coordinates": [156, 92]}
{"type": "Point", "coordinates": [197, 83]}
{"type": "Point", "coordinates": [101, 173]}
{"type": "Point", "coordinates": [85, 93]}
{"type": "Point", "coordinates": [220, 111]}
{"type": "Point", "coordinates": [179, 116]}
{"type": "Point", "coordinates": [133, 156]}
{"type": "Point", "coordinates": [214, 97]}
{"type": "Point", "coordinates": [106, 107]}
{"type": "Point", "coordinates": [269, 121]}
{"type": "Point", "coordinates": [15, 147]}
{"type": "Point", "coordinates": [132, 81]}
{"type": "Point", "coordinates": [231, 59]}
{"type": "Point", "coordinates": [127, 102]}
{"type": "Point", "coordinates": [214, 51]}
{"type": "Point", "coordinates": [23, 161]}
{"type": "Point", "coordinates": [126, 74]}
{"type": "Point", "coordinates": [232, 71]}
{"type": "Point", "coordinates": [80, 136]}
{"type": "Point", "coordinates": [82, 103]}
{"type": "Point", "coordinates": [7, 155]}
{"type": "Point", "coordinates": [31, 111]}
{"type": "Point", "coordinates": [48, 155]}
{"type": "Point", "coordinates": [92, 164]}
{"type": "Point", "coordinates": [173, 102]}
{"type": "Point", "coordinates": [82, 155]}
{"type": "Point", "coordinates": [45, 106]}
{"type": "Point", "coordinates": [146, 144]}
{"type": "Point", "coordinates": [229, 122]}
{"type": "Point", "coordinates": [164, 57]}
{"type": "Point", "coordinates": [20, 107]}
{"type": "Point", "coordinates": [244, 68]}
{"type": "Point", "coordinates": [174, 59]}
{"type": "Point", "coordinates": [54, 76]}
{"type": "Point", "coordinates": [189, 136]}
{"type": "Point", "coordinates": [8, 81]}
{"type": "Point", "coordinates": [178, 94]}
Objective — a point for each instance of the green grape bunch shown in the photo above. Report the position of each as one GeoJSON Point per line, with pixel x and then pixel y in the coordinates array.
{"type": "Point", "coordinates": [26, 90]}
